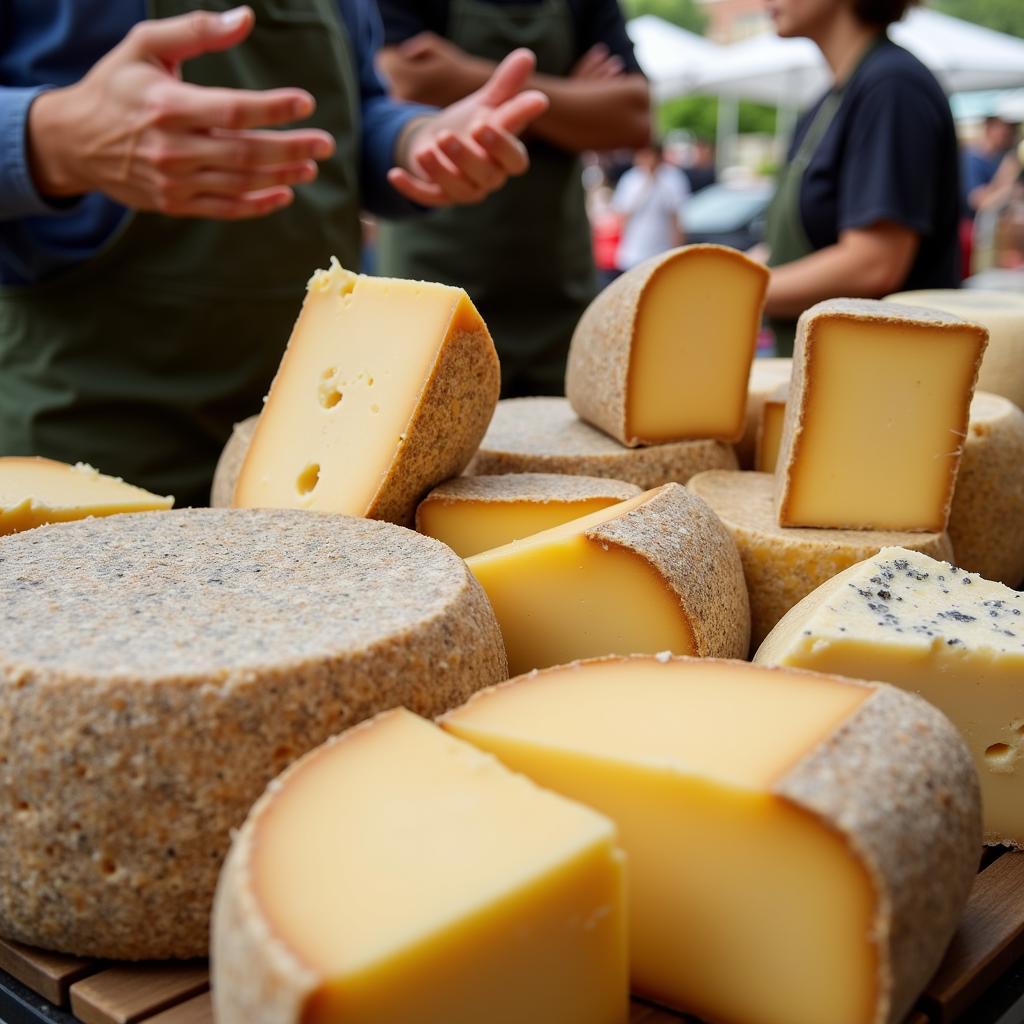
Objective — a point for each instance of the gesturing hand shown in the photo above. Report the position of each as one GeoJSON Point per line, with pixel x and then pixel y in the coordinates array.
{"type": "Point", "coordinates": [132, 129]}
{"type": "Point", "coordinates": [471, 148]}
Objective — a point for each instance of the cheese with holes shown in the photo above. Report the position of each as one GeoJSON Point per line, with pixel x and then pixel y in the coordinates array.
{"type": "Point", "coordinates": [986, 523]}
{"type": "Point", "coordinates": [385, 390]}
{"type": "Point", "coordinates": [657, 572]}
{"type": "Point", "coordinates": [225, 476]}
{"type": "Point", "coordinates": [1002, 370]}
{"type": "Point", "coordinates": [951, 636]}
{"type": "Point", "coordinates": [769, 431]}
{"type": "Point", "coordinates": [799, 847]}
{"type": "Point", "coordinates": [35, 491]}
{"type": "Point", "coordinates": [876, 416]}
{"type": "Point", "coordinates": [766, 375]}
{"type": "Point", "coordinates": [399, 875]}
{"type": "Point", "coordinates": [663, 353]}
{"type": "Point", "coordinates": [544, 435]}
{"type": "Point", "coordinates": [783, 564]}
{"type": "Point", "coordinates": [156, 671]}
{"type": "Point", "coordinates": [476, 513]}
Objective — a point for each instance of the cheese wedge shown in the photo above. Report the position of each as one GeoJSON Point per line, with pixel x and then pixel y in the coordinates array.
{"type": "Point", "coordinates": [876, 417]}
{"type": "Point", "coordinates": [783, 564]}
{"type": "Point", "coordinates": [766, 375]}
{"type": "Point", "coordinates": [799, 847]}
{"type": "Point", "coordinates": [769, 431]}
{"type": "Point", "coordinates": [476, 513]}
{"type": "Point", "coordinates": [225, 476]}
{"type": "Point", "coordinates": [35, 491]}
{"type": "Point", "coordinates": [663, 353]}
{"type": "Point", "coordinates": [385, 390]}
{"type": "Point", "coordinates": [950, 636]}
{"type": "Point", "coordinates": [399, 875]}
{"type": "Point", "coordinates": [657, 572]}
{"type": "Point", "coordinates": [544, 435]}
{"type": "Point", "coordinates": [1002, 370]}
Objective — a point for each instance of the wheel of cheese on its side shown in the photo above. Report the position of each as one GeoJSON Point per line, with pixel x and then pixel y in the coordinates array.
{"type": "Point", "coordinates": [156, 671]}
{"type": "Point", "coordinates": [544, 435]}
{"type": "Point", "coordinates": [225, 476]}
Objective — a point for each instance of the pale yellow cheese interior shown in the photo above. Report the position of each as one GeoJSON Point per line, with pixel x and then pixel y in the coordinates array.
{"type": "Point", "coordinates": [560, 595]}
{"type": "Point", "coordinates": [769, 437]}
{"type": "Point", "coordinates": [35, 491]}
{"type": "Point", "coordinates": [742, 908]}
{"type": "Point", "coordinates": [422, 881]}
{"type": "Point", "coordinates": [337, 413]}
{"type": "Point", "coordinates": [885, 410]}
{"type": "Point", "coordinates": [469, 527]}
{"type": "Point", "coordinates": [907, 619]}
{"type": "Point", "coordinates": [693, 342]}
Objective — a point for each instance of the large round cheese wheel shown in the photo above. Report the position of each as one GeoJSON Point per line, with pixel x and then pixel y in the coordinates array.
{"type": "Point", "coordinates": [158, 670]}
{"type": "Point", "coordinates": [229, 465]}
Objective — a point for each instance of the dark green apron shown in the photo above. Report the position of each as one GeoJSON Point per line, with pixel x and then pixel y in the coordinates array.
{"type": "Point", "coordinates": [524, 253]}
{"type": "Point", "coordinates": [141, 359]}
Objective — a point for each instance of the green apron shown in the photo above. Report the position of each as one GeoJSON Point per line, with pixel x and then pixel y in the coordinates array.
{"type": "Point", "coordinates": [140, 360]}
{"type": "Point", "coordinates": [785, 233]}
{"type": "Point", "coordinates": [524, 253]}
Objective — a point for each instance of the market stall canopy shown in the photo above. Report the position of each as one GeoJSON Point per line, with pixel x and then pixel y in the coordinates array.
{"type": "Point", "coordinates": [673, 59]}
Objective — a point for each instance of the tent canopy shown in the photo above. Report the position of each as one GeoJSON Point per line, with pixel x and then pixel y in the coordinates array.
{"type": "Point", "coordinates": [673, 59]}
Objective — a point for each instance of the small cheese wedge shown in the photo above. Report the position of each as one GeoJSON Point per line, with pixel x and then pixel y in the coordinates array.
{"type": "Point", "coordinates": [986, 523]}
{"type": "Point", "coordinates": [766, 375]}
{"type": "Point", "coordinates": [876, 416]}
{"type": "Point", "coordinates": [385, 390]}
{"type": "Point", "coordinates": [924, 625]}
{"type": "Point", "coordinates": [799, 847]}
{"type": "Point", "coordinates": [783, 564]}
{"type": "Point", "coordinates": [769, 431]}
{"type": "Point", "coordinates": [663, 353]}
{"type": "Point", "coordinates": [657, 572]}
{"type": "Point", "coordinates": [476, 513]}
{"type": "Point", "coordinates": [36, 491]}
{"type": "Point", "coordinates": [225, 476]}
{"type": "Point", "coordinates": [399, 875]}
{"type": "Point", "coordinates": [1002, 370]}
{"type": "Point", "coordinates": [544, 435]}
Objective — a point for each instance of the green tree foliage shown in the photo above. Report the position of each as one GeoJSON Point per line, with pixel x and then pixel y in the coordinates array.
{"type": "Point", "coordinates": [684, 13]}
{"type": "Point", "coordinates": [699, 115]}
{"type": "Point", "coordinates": [1002, 15]}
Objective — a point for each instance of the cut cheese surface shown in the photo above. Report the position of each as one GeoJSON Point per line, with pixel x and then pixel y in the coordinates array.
{"type": "Point", "coordinates": [385, 390]}
{"type": "Point", "coordinates": [767, 375]}
{"type": "Point", "coordinates": [663, 353]}
{"type": "Point", "coordinates": [735, 871]}
{"type": "Point", "coordinates": [416, 879]}
{"type": "Point", "coordinates": [656, 572]}
{"type": "Point", "coordinates": [769, 433]}
{"type": "Point", "coordinates": [876, 417]}
{"type": "Point", "coordinates": [475, 513]}
{"type": "Point", "coordinates": [950, 636]}
{"type": "Point", "coordinates": [35, 491]}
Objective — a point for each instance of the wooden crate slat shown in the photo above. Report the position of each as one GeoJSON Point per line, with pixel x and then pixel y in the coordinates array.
{"type": "Point", "coordinates": [130, 993]}
{"type": "Point", "coordinates": [49, 974]}
{"type": "Point", "coordinates": [989, 939]}
{"type": "Point", "coordinates": [195, 1011]}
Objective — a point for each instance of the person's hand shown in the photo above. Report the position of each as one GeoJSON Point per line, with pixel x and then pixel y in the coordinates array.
{"type": "Point", "coordinates": [133, 130]}
{"type": "Point", "coordinates": [598, 64]}
{"type": "Point", "coordinates": [469, 149]}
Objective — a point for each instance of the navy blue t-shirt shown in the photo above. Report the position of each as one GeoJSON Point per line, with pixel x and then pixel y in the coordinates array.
{"type": "Point", "coordinates": [890, 154]}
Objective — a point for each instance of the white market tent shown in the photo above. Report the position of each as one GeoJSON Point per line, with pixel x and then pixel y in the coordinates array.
{"type": "Point", "coordinates": [673, 59]}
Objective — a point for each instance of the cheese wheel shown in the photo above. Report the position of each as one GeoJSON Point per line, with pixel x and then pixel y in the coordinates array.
{"type": "Point", "coordinates": [156, 671]}
{"type": "Point", "coordinates": [225, 476]}
{"type": "Point", "coordinates": [986, 522]}
{"type": "Point", "coordinates": [474, 513]}
{"type": "Point", "coordinates": [766, 375]}
{"type": "Point", "coordinates": [799, 847]}
{"type": "Point", "coordinates": [544, 435]}
{"type": "Point", "coordinates": [782, 565]}
{"type": "Point", "coordinates": [769, 431]}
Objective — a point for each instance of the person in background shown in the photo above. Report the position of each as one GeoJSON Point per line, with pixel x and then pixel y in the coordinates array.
{"type": "Point", "coordinates": [868, 202]}
{"type": "Point", "coordinates": [981, 163]}
{"type": "Point", "coordinates": [524, 255]}
{"type": "Point", "coordinates": [700, 172]}
{"type": "Point", "coordinates": [649, 198]}
{"type": "Point", "coordinates": [145, 294]}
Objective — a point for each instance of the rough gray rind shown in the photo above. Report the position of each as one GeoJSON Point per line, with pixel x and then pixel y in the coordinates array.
{"type": "Point", "coordinates": [229, 464]}
{"type": "Point", "coordinates": [681, 536]}
{"type": "Point", "coordinates": [540, 487]}
{"type": "Point", "coordinates": [766, 375]}
{"type": "Point", "coordinates": [897, 782]}
{"type": "Point", "coordinates": [156, 671]}
{"type": "Point", "coordinates": [544, 435]}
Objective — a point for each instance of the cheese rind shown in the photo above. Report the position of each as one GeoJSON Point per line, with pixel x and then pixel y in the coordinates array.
{"type": "Point", "coordinates": [156, 671]}
{"type": "Point", "coordinates": [766, 376]}
{"type": "Point", "coordinates": [876, 416]}
{"type": "Point", "coordinates": [385, 390]}
{"type": "Point", "coordinates": [950, 636]}
{"type": "Point", "coordinates": [782, 565]}
{"type": "Point", "coordinates": [36, 491]}
{"type": "Point", "coordinates": [475, 513]}
{"type": "Point", "coordinates": [663, 355]}
{"type": "Point", "coordinates": [225, 476]}
{"type": "Point", "coordinates": [657, 572]}
{"type": "Point", "coordinates": [812, 836]}
{"type": "Point", "coordinates": [544, 435]}
{"type": "Point", "coordinates": [470, 895]}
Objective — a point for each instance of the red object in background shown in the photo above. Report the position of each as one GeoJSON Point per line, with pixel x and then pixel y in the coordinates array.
{"type": "Point", "coordinates": [606, 232]}
{"type": "Point", "coordinates": [966, 246]}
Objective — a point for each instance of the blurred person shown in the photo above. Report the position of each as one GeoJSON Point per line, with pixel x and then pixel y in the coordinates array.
{"type": "Point", "coordinates": [649, 198]}
{"type": "Point", "coordinates": [981, 164]}
{"type": "Point", "coordinates": [700, 172]}
{"type": "Point", "coordinates": [606, 233]}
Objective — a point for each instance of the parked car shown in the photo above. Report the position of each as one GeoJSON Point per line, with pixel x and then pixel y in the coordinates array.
{"type": "Point", "coordinates": [728, 214]}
